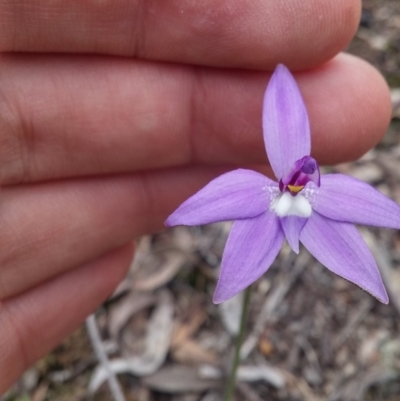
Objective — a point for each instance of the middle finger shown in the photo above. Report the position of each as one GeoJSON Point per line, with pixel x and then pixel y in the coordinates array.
{"type": "Point", "coordinates": [74, 116]}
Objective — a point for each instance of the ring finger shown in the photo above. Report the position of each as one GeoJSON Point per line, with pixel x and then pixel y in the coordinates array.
{"type": "Point", "coordinates": [50, 228]}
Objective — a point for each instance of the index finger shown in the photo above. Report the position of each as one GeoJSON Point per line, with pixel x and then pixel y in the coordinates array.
{"type": "Point", "coordinates": [236, 33]}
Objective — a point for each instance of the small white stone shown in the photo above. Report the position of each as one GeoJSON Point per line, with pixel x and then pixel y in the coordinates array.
{"type": "Point", "coordinates": [288, 205]}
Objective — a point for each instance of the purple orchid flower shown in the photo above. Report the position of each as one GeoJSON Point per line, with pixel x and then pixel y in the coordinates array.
{"type": "Point", "coordinates": [302, 207]}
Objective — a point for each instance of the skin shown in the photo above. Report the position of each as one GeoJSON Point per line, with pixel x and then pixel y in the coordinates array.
{"type": "Point", "coordinates": [112, 113]}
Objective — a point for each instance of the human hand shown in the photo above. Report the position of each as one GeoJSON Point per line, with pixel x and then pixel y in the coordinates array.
{"type": "Point", "coordinates": [98, 149]}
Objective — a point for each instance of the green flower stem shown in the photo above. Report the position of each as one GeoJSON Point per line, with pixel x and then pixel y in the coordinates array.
{"type": "Point", "coordinates": [230, 389]}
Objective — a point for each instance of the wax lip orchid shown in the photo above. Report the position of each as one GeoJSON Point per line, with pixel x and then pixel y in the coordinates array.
{"type": "Point", "coordinates": [318, 211]}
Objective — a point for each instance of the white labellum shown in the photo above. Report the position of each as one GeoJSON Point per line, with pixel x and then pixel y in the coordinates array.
{"type": "Point", "coordinates": [288, 205]}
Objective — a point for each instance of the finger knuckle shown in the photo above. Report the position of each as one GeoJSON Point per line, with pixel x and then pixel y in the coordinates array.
{"type": "Point", "coordinates": [16, 136]}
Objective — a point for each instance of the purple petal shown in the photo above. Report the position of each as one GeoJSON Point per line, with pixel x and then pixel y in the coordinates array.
{"type": "Point", "coordinates": [292, 226]}
{"type": "Point", "coordinates": [239, 194]}
{"type": "Point", "coordinates": [340, 247]}
{"type": "Point", "coordinates": [251, 248]}
{"type": "Point", "coordinates": [344, 198]}
{"type": "Point", "coordinates": [285, 122]}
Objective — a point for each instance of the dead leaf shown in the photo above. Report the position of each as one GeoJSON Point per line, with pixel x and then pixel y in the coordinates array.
{"type": "Point", "coordinates": [188, 328]}
{"type": "Point", "coordinates": [167, 266]}
{"type": "Point", "coordinates": [40, 393]}
{"type": "Point", "coordinates": [191, 352]}
{"type": "Point", "coordinates": [122, 312]}
{"type": "Point", "coordinates": [230, 312]}
{"type": "Point", "coordinates": [265, 346]}
{"type": "Point", "coordinates": [395, 96]}
{"type": "Point", "coordinates": [266, 373]}
{"type": "Point", "coordinates": [157, 342]}
{"type": "Point", "coordinates": [158, 337]}
{"type": "Point", "coordinates": [179, 379]}
{"type": "Point", "coordinates": [377, 42]}
{"type": "Point", "coordinates": [248, 373]}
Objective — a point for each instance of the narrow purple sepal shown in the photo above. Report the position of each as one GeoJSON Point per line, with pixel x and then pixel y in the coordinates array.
{"type": "Point", "coordinates": [239, 194]}
{"type": "Point", "coordinates": [340, 248]}
{"type": "Point", "coordinates": [292, 226]}
{"type": "Point", "coordinates": [285, 122]}
{"type": "Point", "coordinates": [345, 198]}
{"type": "Point", "coordinates": [252, 246]}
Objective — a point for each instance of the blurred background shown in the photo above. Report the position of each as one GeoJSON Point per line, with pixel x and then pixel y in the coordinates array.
{"type": "Point", "coordinates": [311, 335]}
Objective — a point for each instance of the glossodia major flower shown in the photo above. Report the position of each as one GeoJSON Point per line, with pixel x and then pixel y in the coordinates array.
{"type": "Point", "coordinates": [318, 211]}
